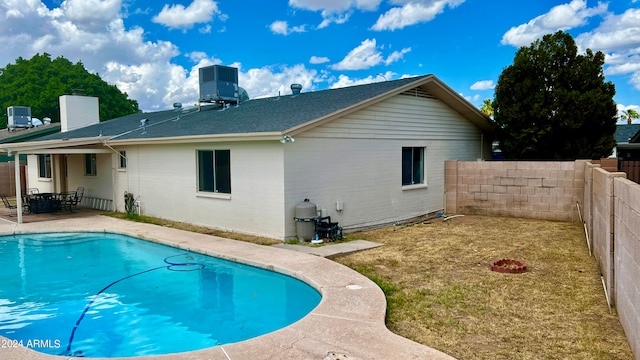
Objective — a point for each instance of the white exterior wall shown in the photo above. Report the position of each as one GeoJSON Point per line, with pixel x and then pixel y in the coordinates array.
{"type": "Point", "coordinates": [358, 160]}
{"type": "Point", "coordinates": [99, 186]}
{"type": "Point", "coordinates": [33, 176]}
{"type": "Point", "coordinates": [164, 179]}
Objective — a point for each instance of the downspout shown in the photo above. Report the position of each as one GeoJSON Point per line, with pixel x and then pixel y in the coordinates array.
{"type": "Point", "coordinates": [16, 160]}
{"type": "Point", "coordinates": [481, 146]}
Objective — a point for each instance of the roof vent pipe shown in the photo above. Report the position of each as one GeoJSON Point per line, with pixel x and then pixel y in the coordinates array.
{"type": "Point", "coordinates": [295, 89]}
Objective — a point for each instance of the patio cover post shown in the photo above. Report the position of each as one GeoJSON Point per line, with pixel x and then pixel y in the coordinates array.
{"type": "Point", "coordinates": [16, 160]}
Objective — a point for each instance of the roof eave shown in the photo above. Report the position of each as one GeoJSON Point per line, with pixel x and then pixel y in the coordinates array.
{"type": "Point", "coordinates": [262, 136]}
{"type": "Point", "coordinates": [23, 147]}
{"type": "Point", "coordinates": [446, 94]}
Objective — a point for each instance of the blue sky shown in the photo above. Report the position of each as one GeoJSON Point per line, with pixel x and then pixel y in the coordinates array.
{"type": "Point", "coordinates": [152, 49]}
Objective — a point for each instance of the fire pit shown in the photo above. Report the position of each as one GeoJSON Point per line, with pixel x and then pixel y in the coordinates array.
{"type": "Point", "coordinates": [509, 266]}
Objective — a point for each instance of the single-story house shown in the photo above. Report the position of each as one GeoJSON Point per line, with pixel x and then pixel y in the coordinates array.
{"type": "Point", "coordinates": [627, 142]}
{"type": "Point", "coordinates": [366, 155]}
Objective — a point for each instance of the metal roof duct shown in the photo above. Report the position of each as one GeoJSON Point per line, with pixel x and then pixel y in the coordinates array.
{"type": "Point", "coordinates": [296, 89]}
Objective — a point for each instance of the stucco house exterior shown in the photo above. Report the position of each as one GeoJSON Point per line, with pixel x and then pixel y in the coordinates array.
{"type": "Point", "coordinates": [367, 155]}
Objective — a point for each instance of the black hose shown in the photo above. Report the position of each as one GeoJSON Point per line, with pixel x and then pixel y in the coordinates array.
{"type": "Point", "coordinates": [172, 266]}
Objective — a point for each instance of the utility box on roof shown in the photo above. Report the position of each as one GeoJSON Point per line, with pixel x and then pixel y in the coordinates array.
{"type": "Point", "coordinates": [219, 84]}
{"type": "Point", "coordinates": [18, 117]}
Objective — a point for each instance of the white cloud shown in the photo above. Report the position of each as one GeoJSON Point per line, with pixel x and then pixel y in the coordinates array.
{"type": "Point", "coordinates": [618, 36]}
{"type": "Point", "coordinates": [560, 17]}
{"type": "Point", "coordinates": [91, 14]}
{"type": "Point", "coordinates": [335, 11]}
{"type": "Point", "coordinates": [344, 81]}
{"type": "Point", "coordinates": [411, 13]}
{"type": "Point", "coordinates": [396, 55]}
{"type": "Point", "coordinates": [283, 28]}
{"type": "Point", "coordinates": [271, 81]}
{"type": "Point", "coordinates": [367, 55]}
{"type": "Point", "coordinates": [362, 57]}
{"type": "Point", "coordinates": [315, 60]}
{"type": "Point", "coordinates": [180, 17]}
{"type": "Point", "coordinates": [335, 6]}
{"type": "Point", "coordinates": [483, 85]}
{"type": "Point", "coordinates": [205, 29]}
{"type": "Point", "coordinates": [330, 18]}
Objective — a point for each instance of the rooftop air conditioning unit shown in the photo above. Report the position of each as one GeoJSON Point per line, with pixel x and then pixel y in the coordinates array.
{"type": "Point", "coordinates": [19, 117]}
{"type": "Point", "coordinates": [219, 84]}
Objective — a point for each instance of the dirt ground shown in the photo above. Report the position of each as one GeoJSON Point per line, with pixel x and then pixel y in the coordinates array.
{"type": "Point", "coordinates": [441, 290]}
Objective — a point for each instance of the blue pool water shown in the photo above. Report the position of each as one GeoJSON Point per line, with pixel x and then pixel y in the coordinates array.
{"type": "Point", "coordinates": [108, 295]}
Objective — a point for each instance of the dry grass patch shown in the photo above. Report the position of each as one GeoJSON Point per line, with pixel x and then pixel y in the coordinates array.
{"type": "Point", "coordinates": [442, 293]}
{"type": "Point", "coordinates": [194, 228]}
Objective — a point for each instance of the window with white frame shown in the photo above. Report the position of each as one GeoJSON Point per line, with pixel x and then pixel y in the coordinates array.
{"type": "Point", "coordinates": [214, 171]}
{"type": "Point", "coordinates": [123, 159]}
{"type": "Point", "coordinates": [90, 165]}
{"type": "Point", "coordinates": [44, 166]}
{"type": "Point", "coordinates": [413, 165]}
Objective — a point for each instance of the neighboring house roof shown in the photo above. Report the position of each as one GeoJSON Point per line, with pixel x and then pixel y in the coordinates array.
{"type": "Point", "coordinates": [626, 132]}
{"type": "Point", "coordinates": [21, 135]}
{"type": "Point", "coordinates": [263, 117]}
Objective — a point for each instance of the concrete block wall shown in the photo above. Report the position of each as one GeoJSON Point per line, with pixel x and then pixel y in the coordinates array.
{"type": "Point", "coordinates": [541, 190]}
{"type": "Point", "coordinates": [627, 259]}
{"type": "Point", "coordinates": [587, 214]}
{"type": "Point", "coordinates": [602, 224]}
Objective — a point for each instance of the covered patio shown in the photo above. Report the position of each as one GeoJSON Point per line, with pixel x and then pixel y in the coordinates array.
{"type": "Point", "coordinates": [11, 216]}
{"type": "Point", "coordinates": [63, 167]}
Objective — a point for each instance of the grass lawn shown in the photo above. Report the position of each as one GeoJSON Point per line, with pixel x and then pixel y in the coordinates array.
{"type": "Point", "coordinates": [442, 293]}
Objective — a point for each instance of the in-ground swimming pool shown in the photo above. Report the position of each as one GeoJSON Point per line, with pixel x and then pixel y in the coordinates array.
{"type": "Point", "coordinates": [109, 295]}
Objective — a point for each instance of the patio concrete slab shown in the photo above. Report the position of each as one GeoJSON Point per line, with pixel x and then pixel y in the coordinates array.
{"type": "Point", "coordinates": [331, 249]}
{"type": "Point", "coordinates": [347, 324]}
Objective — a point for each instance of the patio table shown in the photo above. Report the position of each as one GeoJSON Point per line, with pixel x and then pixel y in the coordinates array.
{"type": "Point", "coordinates": [44, 203]}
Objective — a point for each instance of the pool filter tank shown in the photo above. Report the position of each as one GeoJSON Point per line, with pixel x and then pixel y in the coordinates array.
{"type": "Point", "coordinates": [306, 212]}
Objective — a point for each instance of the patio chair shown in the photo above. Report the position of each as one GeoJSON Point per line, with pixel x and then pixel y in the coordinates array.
{"type": "Point", "coordinates": [70, 199]}
{"type": "Point", "coordinates": [8, 205]}
{"type": "Point", "coordinates": [6, 202]}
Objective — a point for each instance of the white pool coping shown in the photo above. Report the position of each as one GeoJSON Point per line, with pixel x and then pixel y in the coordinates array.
{"type": "Point", "coordinates": [347, 324]}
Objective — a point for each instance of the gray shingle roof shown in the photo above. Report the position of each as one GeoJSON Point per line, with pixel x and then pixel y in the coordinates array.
{"type": "Point", "coordinates": [624, 132]}
{"type": "Point", "coordinates": [275, 114]}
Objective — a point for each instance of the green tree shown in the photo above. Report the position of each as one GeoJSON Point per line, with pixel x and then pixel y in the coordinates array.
{"type": "Point", "coordinates": [629, 115]}
{"type": "Point", "coordinates": [487, 107]}
{"type": "Point", "coordinates": [555, 104]}
{"type": "Point", "coordinates": [40, 81]}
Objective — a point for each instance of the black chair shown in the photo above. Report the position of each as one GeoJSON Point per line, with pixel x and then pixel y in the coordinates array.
{"type": "Point", "coordinates": [8, 205]}
{"type": "Point", "coordinates": [70, 199]}
{"type": "Point", "coordinates": [327, 229]}
{"type": "Point", "coordinates": [6, 202]}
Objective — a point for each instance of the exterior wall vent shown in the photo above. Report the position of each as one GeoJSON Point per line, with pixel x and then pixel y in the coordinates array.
{"type": "Point", "coordinates": [418, 92]}
{"type": "Point", "coordinates": [219, 84]}
{"type": "Point", "coordinates": [19, 117]}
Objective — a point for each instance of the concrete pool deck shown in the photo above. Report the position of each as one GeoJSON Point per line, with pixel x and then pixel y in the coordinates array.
{"type": "Point", "coordinates": [347, 324]}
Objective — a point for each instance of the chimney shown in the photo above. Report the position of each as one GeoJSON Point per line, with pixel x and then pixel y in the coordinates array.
{"type": "Point", "coordinates": [295, 89]}
{"type": "Point", "coordinates": [78, 111]}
